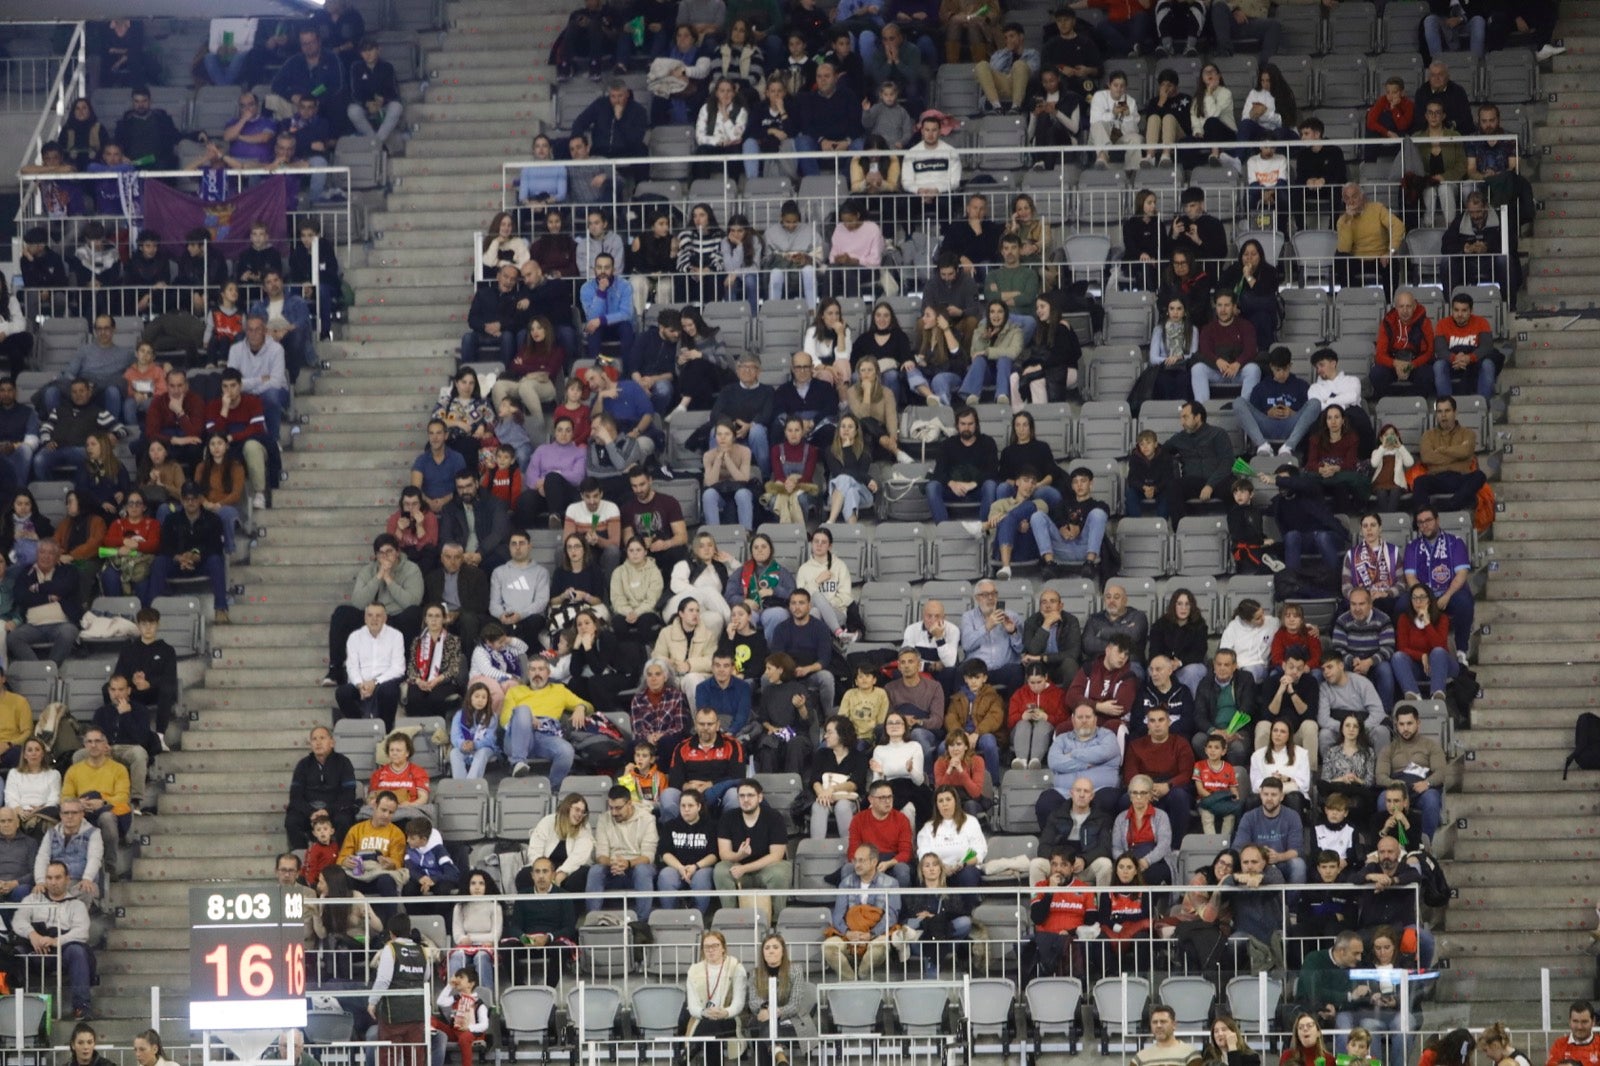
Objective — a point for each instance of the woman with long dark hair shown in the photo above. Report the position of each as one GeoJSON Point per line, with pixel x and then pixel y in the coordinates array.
{"type": "Point", "coordinates": [1254, 283]}
{"type": "Point", "coordinates": [700, 256]}
{"type": "Point", "coordinates": [704, 361]}
{"type": "Point", "coordinates": [1048, 369]}
{"type": "Point", "coordinates": [793, 999]}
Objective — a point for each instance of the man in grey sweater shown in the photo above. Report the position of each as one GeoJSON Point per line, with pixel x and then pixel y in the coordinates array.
{"type": "Point", "coordinates": [519, 592]}
{"type": "Point", "coordinates": [391, 580]}
{"type": "Point", "coordinates": [100, 361]}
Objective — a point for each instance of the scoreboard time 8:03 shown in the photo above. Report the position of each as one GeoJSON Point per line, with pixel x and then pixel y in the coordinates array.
{"type": "Point", "coordinates": [246, 958]}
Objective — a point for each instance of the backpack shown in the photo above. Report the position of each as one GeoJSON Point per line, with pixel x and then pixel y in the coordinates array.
{"type": "Point", "coordinates": [1585, 744]}
{"type": "Point", "coordinates": [1435, 886]}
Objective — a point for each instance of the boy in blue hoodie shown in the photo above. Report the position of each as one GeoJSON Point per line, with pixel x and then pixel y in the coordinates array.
{"type": "Point", "coordinates": [433, 872]}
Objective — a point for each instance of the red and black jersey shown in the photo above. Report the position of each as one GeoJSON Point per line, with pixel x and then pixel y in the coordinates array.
{"type": "Point", "coordinates": [722, 761]}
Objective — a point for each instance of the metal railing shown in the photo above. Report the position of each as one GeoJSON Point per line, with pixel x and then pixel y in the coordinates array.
{"type": "Point", "coordinates": [1071, 195]}
{"type": "Point", "coordinates": [25, 81]}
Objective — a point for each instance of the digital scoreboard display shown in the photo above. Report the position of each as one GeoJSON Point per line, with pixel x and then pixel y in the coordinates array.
{"type": "Point", "coordinates": [246, 958]}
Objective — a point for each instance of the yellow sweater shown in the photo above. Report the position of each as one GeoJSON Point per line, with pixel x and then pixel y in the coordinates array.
{"type": "Point", "coordinates": [866, 710]}
{"type": "Point", "coordinates": [16, 718]}
{"type": "Point", "coordinates": [110, 779]}
{"type": "Point", "coordinates": [552, 701]}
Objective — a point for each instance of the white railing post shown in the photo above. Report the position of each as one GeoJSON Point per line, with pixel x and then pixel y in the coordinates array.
{"type": "Point", "coordinates": [1262, 1005]}
{"type": "Point", "coordinates": [1544, 998]}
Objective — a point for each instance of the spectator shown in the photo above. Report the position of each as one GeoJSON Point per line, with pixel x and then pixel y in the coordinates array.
{"type": "Point", "coordinates": [462, 589]}
{"type": "Point", "coordinates": [1326, 988]}
{"type": "Point", "coordinates": [687, 854]}
{"type": "Point", "coordinates": [147, 135]}
{"type": "Point", "coordinates": [1463, 341]}
{"type": "Point", "coordinates": [1448, 454]}
{"type": "Point", "coordinates": [484, 535]}
{"type": "Point", "coordinates": [884, 827]}
{"type": "Point", "coordinates": [1394, 902]}
{"type": "Point", "coordinates": [1225, 703]}
{"type": "Point", "coordinates": [809, 642]}
{"type": "Point", "coordinates": [1439, 560]}
{"type": "Point", "coordinates": [1417, 763]}
{"type": "Point", "coordinates": [241, 418]}
{"type": "Point", "coordinates": [374, 669]}
{"type": "Point", "coordinates": [1274, 829]}
{"type": "Point", "coordinates": [1204, 452]}
{"type": "Point", "coordinates": [1291, 764]}
{"type": "Point", "coordinates": [1011, 61]}
{"type": "Point", "coordinates": [54, 920]}
{"type": "Point", "coordinates": [864, 913]}
{"type": "Point", "coordinates": [1365, 637]}
{"type": "Point", "coordinates": [1577, 1045]}
{"type": "Point", "coordinates": [753, 849]}
{"type": "Point", "coordinates": [1227, 352]}
{"type": "Point", "coordinates": [77, 843]}
{"type": "Point", "coordinates": [17, 853]}
{"type": "Point", "coordinates": [48, 600]}
{"type": "Point", "coordinates": [323, 785]}
{"type": "Point", "coordinates": [495, 317]}
{"type": "Point", "coordinates": [1249, 636]}
{"type": "Point", "coordinates": [1114, 120]}
{"type": "Point", "coordinates": [1053, 638]}
{"type": "Point", "coordinates": [1108, 684]}
{"type": "Point", "coordinates": [192, 544]}
{"type": "Point", "coordinates": [991, 633]}
{"type": "Point", "coordinates": [1405, 345]}
{"type": "Point", "coordinates": [532, 717]}
{"type": "Point", "coordinates": [1422, 636]}
{"type": "Point", "coordinates": [1166, 763]}
{"type": "Point", "coordinates": [1057, 916]}
{"type": "Point", "coordinates": [33, 788]}
{"type": "Point", "coordinates": [312, 72]}
{"type": "Point", "coordinates": [1163, 691]}
{"type": "Point", "coordinates": [564, 839]}
{"type": "Point", "coordinates": [625, 844]}
{"type": "Point", "coordinates": [1078, 539]}
{"type": "Point", "coordinates": [1448, 95]}
{"type": "Point", "coordinates": [615, 125]}
{"type": "Point", "coordinates": [1344, 691]}
{"type": "Point", "coordinates": [1451, 24]}
{"type": "Point", "coordinates": [1374, 565]}
{"type": "Point", "coordinates": [717, 987]}
{"type": "Point", "coordinates": [103, 787]}
{"type": "Point", "coordinates": [1115, 616]}
{"type": "Point", "coordinates": [838, 780]}
{"type": "Point", "coordinates": [374, 94]}
{"type": "Point", "coordinates": [1368, 235]}
{"type": "Point", "coordinates": [709, 761]}
{"type": "Point", "coordinates": [1390, 117]}
{"type": "Point", "coordinates": [260, 362]}
{"type": "Point", "coordinates": [1086, 750]}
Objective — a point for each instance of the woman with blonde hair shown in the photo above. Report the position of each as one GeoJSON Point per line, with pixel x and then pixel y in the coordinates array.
{"type": "Point", "coordinates": [565, 838]}
{"type": "Point", "coordinates": [717, 989]}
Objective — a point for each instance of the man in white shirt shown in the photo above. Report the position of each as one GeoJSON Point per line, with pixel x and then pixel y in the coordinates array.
{"type": "Point", "coordinates": [1330, 386]}
{"type": "Point", "coordinates": [375, 664]}
{"type": "Point", "coordinates": [228, 50]}
{"type": "Point", "coordinates": [1114, 119]}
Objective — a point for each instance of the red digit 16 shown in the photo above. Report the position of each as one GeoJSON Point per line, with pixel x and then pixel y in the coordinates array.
{"type": "Point", "coordinates": [255, 970]}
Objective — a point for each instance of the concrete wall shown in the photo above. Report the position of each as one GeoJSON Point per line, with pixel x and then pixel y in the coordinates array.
{"type": "Point", "coordinates": [15, 129]}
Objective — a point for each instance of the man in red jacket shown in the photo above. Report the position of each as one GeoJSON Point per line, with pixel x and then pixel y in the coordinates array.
{"type": "Point", "coordinates": [178, 420]}
{"type": "Point", "coordinates": [1108, 684]}
{"type": "Point", "coordinates": [1062, 906]}
{"type": "Point", "coordinates": [1169, 762]}
{"type": "Point", "coordinates": [1580, 1044]}
{"type": "Point", "coordinates": [886, 829]}
{"type": "Point", "coordinates": [1405, 346]}
{"type": "Point", "coordinates": [240, 417]}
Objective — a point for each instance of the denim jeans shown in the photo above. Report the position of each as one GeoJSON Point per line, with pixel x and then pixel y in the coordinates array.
{"type": "Point", "coordinates": [49, 461]}
{"type": "Point", "coordinates": [1442, 38]}
{"type": "Point", "coordinates": [225, 74]}
{"type": "Point", "coordinates": [1051, 497]}
{"type": "Point", "coordinates": [1268, 31]}
{"type": "Point", "coordinates": [15, 468]}
{"type": "Point", "coordinates": [1259, 429]}
{"type": "Point", "coordinates": [978, 375]}
{"type": "Point", "coordinates": [621, 332]}
{"type": "Point", "coordinates": [481, 757]}
{"type": "Point", "coordinates": [760, 450]}
{"type": "Point", "coordinates": [392, 110]}
{"type": "Point", "coordinates": [214, 567]}
{"type": "Point", "coordinates": [1443, 378]}
{"type": "Point", "coordinates": [723, 794]}
{"type": "Point", "coordinates": [1440, 666]}
{"type": "Point", "coordinates": [524, 742]}
{"type": "Point", "coordinates": [983, 495]}
{"type": "Point", "coordinates": [744, 503]}
{"type": "Point", "coordinates": [670, 880]}
{"type": "Point", "coordinates": [1328, 545]}
{"type": "Point", "coordinates": [1202, 376]}
{"type": "Point", "coordinates": [853, 495]}
{"type": "Point", "coordinates": [778, 284]}
{"type": "Point", "coordinates": [640, 878]}
{"type": "Point", "coordinates": [1462, 610]}
{"type": "Point", "coordinates": [1047, 536]}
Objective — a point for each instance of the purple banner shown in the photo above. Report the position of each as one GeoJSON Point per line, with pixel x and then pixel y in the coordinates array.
{"type": "Point", "coordinates": [173, 214]}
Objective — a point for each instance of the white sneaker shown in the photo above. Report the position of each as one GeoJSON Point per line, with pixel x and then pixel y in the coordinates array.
{"type": "Point", "coordinates": [259, 501]}
{"type": "Point", "coordinates": [1549, 51]}
{"type": "Point", "coordinates": [903, 456]}
{"type": "Point", "coordinates": [932, 400]}
{"type": "Point", "coordinates": [1285, 452]}
{"type": "Point", "coordinates": [1265, 449]}
{"type": "Point", "coordinates": [1461, 657]}
{"type": "Point", "coordinates": [519, 770]}
{"type": "Point", "coordinates": [1022, 764]}
{"type": "Point", "coordinates": [1004, 573]}
{"type": "Point", "coordinates": [1035, 764]}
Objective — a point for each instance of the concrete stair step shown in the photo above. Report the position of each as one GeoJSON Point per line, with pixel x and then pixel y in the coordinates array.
{"type": "Point", "coordinates": [485, 169]}
{"type": "Point", "coordinates": [327, 516]}
{"type": "Point", "coordinates": [1533, 488]}
{"type": "Point", "coordinates": [1550, 875]}
{"type": "Point", "coordinates": [306, 656]}
{"type": "Point", "coordinates": [502, 145]}
{"type": "Point", "coordinates": [407, 280]}
{"type": "Point", "coordinates": [253, 868]}
{"type": "Point", "coordinates": [1508, 527]}
{"type": "Point", "coordinates": [236, 803]}
{"type": "Point", "coordinates": [277, 554]}
{"type": "Point", "coordinates": [204, 761]}
{"type": "Point", "coordinates": [1508, 760]}
{"type": "Point", "coordinates": [461, 220]}
{"type": "Point", "coordinates": [374, 333]}
{"type": "Point", "coordinates": [420, 202]}
{"type": "Point", "coordinates": [175, 920]}
{"type": "Point", "coordinates": [336, 436]}
{"type": "Point", "coordinates": [144, 955]}
{"type": "Point", "coordinates": [303, 464]}
{"type": "Point", "coordinates": [309, 613]}
{"type": "Point", "coordinates": [502, 30]}
{"type": "Point", "coordinates": [412, 315]}
{"type": "Point", "coordinates": [302, 592]}
{"type": "Point", "coordinates": [1478, 777]}
{"type": "Point", "coordinates": [321, 537]}
{"type": "Point", "coordinates": [406, 401]}
{"type": "Point", "coordinates": [1552, 433]}
{"type": "Point", "coordinates": [291, 692]}
{"type": "Point", "coordinates": [255, 677]}
{"type": "Point", "coordinates": [200, 847]}
{"type": "Point", "coordinates": [1534, 738]}
{"type": "Point", "coordinates": [1522, 376]}
{"type": "Point", "coordinates": [1510, 814]}
{"type": "Point", "coordinates": [474, 101]}
{"type": "Point", "coordinates": [369, 496]}
{"type": "Point", "coordinates": [1552, 589]}
{"type": "Point", "coordinates": [1547, 413]}
{"type": "Point", "coordinates": [1557, 847]}
{"type": "Point", "coordinates": [1512, 943]}
{"type": "Point", "coordinates": [302, 718]}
